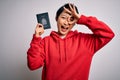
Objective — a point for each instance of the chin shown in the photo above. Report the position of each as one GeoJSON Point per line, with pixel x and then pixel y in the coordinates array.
{"type": "Point", "coordinates": [63, 33]}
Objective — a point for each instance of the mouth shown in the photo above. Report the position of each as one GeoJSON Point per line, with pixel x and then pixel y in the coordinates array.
{"type": "Point", "coordinates": [64, 28]}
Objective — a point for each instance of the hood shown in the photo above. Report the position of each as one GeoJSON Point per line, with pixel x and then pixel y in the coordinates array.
{"type": "Point", "coordinates": [55, 34]}
{"type": "Point", "coordinates": [62, 44]}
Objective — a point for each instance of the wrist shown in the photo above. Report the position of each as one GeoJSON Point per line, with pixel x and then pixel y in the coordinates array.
{"type": "Point", "coordinates": [78, 16]}
{"type": "Point", "coordinates": [37, 35]}
{"type": "Point", "coordinates": [82, 20]}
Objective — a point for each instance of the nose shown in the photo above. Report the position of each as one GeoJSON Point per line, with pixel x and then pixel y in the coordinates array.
{"type": "Point", "coordinates": [66, 22]}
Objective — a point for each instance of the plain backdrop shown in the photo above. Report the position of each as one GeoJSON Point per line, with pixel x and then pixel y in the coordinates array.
{"type": "Point", "coordinates": [17, 25]}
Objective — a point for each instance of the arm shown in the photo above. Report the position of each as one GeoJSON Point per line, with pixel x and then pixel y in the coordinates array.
{"type": "Point", "coordinates": [102, 34]}
{"type": "Point", "coordinates": [35, 54]}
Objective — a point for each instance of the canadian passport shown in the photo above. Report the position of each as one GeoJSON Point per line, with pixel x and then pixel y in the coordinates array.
{"type": "Point", "coordinates": [43, 18]}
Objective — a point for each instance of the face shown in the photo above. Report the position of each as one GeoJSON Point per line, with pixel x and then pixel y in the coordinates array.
{"type": "Point", "coordinates": [63, 23]}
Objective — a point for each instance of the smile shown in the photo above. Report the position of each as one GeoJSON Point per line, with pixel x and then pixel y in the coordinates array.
{"type": "Point", "coordinates": [64, 29]}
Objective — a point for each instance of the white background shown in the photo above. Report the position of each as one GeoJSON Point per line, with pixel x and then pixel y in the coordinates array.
{"type": "Point", "coordinates": [17, 24]}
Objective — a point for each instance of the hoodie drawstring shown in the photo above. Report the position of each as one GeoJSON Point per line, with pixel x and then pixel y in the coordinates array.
{"type": "Point", "coordinates": [60, 55]}
{"type": "Point", "coordinates": [64, 47]}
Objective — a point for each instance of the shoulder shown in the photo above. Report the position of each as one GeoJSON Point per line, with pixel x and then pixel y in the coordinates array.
{"type": "Point", "coordinates": [46, 37]}
{"type": "Point", "coordinates": [82, 35]}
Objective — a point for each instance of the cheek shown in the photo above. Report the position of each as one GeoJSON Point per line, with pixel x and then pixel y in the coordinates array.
{"type": "Point", "coordinates": [59, 23]}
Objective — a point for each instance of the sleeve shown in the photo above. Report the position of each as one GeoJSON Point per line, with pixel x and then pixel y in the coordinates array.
{"type": "Point", "coordinates": [35, 54]}
{"type": "Point", "coordinates": [102, 34]}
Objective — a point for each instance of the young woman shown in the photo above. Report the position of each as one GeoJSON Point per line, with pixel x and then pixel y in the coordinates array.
{"type": "Point", "coordinates": [67, 54]}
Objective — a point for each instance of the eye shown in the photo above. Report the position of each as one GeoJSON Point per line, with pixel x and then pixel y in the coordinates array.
{"type": "Point", "coordinates": [63, 17]}
{"type": "Point", "coordinates": [71, 18]}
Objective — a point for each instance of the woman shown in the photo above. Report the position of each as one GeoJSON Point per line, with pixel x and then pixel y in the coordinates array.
{"type": "Point", "coordinates": [67, 54]}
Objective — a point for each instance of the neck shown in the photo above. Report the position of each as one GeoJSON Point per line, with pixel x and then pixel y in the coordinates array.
{"type": "Point", "coordinates": [61, 35]}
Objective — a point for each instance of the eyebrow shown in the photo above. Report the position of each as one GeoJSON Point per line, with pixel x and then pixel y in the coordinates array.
{"type": "Point", "coordinates": [68, 13]}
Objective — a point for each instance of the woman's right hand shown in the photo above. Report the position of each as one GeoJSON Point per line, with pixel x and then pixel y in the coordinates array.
{"type": "Point", "coordinates": [39, 30]}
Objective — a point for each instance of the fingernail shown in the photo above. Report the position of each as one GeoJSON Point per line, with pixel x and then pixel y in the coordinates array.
{"type": "Point", "coordinates": [40, 26]}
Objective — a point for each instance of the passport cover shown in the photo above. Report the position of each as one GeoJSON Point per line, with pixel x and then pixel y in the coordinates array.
{"type": "Point", "coordinates": [43, 18]}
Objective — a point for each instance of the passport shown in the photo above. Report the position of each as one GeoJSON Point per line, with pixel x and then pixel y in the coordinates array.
{"type": "Point", "coordinates": [43, 18]}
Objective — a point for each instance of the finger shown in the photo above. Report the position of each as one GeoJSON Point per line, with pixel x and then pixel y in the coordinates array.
{"type": "Point", "coordinates": [67, 10]}
{"type": "Point", "coordinates": [71, 8]}
{"type": "Point", "coordinates": [39, 25]}
{"type": "Point", "coordinates": [71, 18]}
{"type": "Point", "coordinates": [73, 22]}
{"type": "Point", "coordinates": [74, 8]}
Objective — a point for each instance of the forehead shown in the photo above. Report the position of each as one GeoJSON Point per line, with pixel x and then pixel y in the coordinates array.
{"type": "Point", "coordinates": [64, 13]}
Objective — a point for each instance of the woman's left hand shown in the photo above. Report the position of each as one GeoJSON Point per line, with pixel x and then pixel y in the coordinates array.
{"type": "Point", "coordinates": [75, 16]}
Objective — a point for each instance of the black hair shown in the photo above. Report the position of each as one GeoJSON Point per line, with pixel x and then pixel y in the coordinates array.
{"type": "Point", "coordinates": [60, 10]}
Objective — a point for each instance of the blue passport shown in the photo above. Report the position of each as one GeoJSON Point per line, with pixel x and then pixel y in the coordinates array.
{"type": "Point", "coordinates": [43, 18]}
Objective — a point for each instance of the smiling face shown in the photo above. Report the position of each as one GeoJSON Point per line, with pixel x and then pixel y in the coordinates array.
{"type": "Point", "coordinates": [63, 23]}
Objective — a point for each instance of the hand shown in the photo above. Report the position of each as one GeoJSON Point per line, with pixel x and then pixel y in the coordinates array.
{"type": "Point", "coordinates": [75, 16]}
{"type": "Point", "coordinates": [39, 30]}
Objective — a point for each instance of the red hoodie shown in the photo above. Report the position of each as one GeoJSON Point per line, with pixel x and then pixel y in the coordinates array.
{"type": "Point", "coordinates": [68, 58]}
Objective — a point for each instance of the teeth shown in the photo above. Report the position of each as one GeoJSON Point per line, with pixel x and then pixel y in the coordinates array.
{"type": "Point", "coordinates": [64, 27]}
